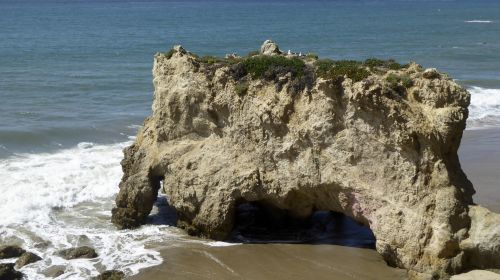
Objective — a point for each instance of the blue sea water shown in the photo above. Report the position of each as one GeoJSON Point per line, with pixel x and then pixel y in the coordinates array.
{"type": "Point", "coordinates": [73, 71]}
{"type": "Point", "coordinates": [75, 84]}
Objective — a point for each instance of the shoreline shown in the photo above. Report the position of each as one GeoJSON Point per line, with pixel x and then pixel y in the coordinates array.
{"type": "Point", "coordinates": [479, 155]}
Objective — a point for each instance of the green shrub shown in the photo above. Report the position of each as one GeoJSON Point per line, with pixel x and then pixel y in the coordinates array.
{"type": "Point", "coordinates": [374, 62]}
{"type": "Point", "coordinates": [350, 68]}
{"type": "Point", "coordinates": [253, 53]}
{"type": "Point", "coordinates": [396, 80]}
{"type": "Point", "coordinates": [393, 65]}
{"type": "Point", "coordinates": [323, 67]}
{"type": "Point", "coordinates": [271, 66]}
{"type": "Point", "coordinates": [328, 68]}
{"type": "Point", "coordinates": [208, 59]}
{"type": "Point", "coordinates": [337, 69]}
{"type": "Point", "coordinates": [387, 64]}
{"type": "Point", "coordinates": [406, 81]}
{"type": "Point", "coordinates": [241, 88]}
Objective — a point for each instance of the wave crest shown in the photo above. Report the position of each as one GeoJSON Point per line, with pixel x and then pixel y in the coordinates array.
{"type": "Point", "coordinates": [484, 109]}
{"type": "Point", "coordinates": [52, 201]}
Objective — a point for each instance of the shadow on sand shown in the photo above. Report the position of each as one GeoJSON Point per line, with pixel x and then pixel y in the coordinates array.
{"type": "Point", "coordinates": [259, 224]}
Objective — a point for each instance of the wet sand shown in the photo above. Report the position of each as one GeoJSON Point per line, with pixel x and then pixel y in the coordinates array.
{"type": "Point", "coordinates": [480, 159]}
{"type": "Point", "coordinates": [271, 261]}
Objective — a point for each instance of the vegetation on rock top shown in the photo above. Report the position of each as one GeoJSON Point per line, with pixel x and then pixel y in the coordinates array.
{"type": "Point", "coordinates": [330, 69]}
{"type": "Point", "coordinates": [264, 65]}
{"type": "Point", "coordinates": [269, 67]}
{"type": "Point", "coordinates": [391, 64]}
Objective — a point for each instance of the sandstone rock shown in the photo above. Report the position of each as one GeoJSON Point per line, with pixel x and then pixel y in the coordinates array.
{"type": "Point", "coordinates": [10, 251]}
{"type": "Point", "coordinates": [269, 48]}
{"type": "Point", "coordinates": [477, 275]}
{"type": "Point", "coordinates": [110, 275]}
{"type": "Point", "coordinates": [7, 272]}
{"type": "Point", "coordinates": [386, 158]}
{"type": "Point", "coordinates": [483, 244]}
{"type": "Point", "coordinates": [26, 259]}
{"type": "Point", "coordinates": [78, 253]}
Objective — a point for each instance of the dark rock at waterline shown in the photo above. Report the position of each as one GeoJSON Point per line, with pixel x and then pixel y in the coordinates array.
{"type": "Point", "coordinates": [10, 251]}
{"type": "Point", "coordinates": [7, 272]}
{"type": "Point", "coordinates": [26, 259]}
{"type": "Point", "coordinates": [125, 218]}
{"type": "Point", "coordinates": [110, 275]}
{"type": "Point", "coordinates": [84, 252]}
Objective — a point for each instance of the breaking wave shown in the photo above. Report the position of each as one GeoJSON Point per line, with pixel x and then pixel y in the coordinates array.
{"type": "Point", "coordinates": [53, 201]}
{"type": "Point", "coordinates": [484, 110]}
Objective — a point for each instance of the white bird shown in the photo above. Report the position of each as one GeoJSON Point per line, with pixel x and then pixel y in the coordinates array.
{"type": "Point", "coordinates": [289, 52]}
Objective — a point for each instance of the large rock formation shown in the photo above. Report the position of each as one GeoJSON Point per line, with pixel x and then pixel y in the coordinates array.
{"type": "Point", "coordinates": [376, 144]}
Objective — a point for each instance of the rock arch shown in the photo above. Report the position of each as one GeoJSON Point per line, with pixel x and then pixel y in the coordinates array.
{"type": "Point", "coordinates": [386, 158]}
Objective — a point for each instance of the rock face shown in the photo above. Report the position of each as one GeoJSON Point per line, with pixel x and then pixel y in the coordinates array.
{"type": "Point", "coordinates": [26, 259]}
{"type": "Point", "coordinates": [7, 272]}
{"type": "Point", "coordinates": [378, 149]}
{"type": "Point", "coordinates": [78, 253]}
{"type": "Point", "coordinates": [110, 275]}
{"type": "Point", "coordinates": [483, 244]}
{"type": "Point", "coordinates": [10, 251]}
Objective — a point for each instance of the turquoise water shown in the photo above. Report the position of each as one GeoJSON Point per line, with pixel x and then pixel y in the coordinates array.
{"type": "Point", "coordinates": [75, 85]}
{"type": "Point", "coordinates": [73, 71]}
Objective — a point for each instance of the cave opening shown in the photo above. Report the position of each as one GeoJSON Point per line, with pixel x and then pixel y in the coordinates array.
{"type": "Point", "coordinates": [259, 222]}
{"type": "Point", "coordinates": [162, 213]}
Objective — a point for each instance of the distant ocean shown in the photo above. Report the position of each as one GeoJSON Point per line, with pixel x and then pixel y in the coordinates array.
{"type": "Point", "coordinates": [75, 85]}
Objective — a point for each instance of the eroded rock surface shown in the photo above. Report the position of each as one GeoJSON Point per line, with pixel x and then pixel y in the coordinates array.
{"type": "Point", "coordinates": [7, 272]}
{"type": "Point", "coordinates": [382, 150]}
{"type": "Point", "coordinates": [10, 251]}
{"type": "Point", "coordinates": [84, 252]}
{"type": "Point", "coordinates": [26, 259]}
{"type": "Point", "coordinates": [110, 275]}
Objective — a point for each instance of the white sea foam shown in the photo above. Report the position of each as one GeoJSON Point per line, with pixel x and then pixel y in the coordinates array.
{"type": "Point", "coordinates": [33, 184]}
{"type": "Point", "coordinates": [220, 244]}
{"type": "Point", "coordinates": [50, 202]}
{"type": "Point", "coordinates": [478, 21]}
{"type": "Point", "coordinates": [484, 109]}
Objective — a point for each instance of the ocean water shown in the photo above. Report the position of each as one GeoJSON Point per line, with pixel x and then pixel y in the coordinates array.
{"type": "Point", "coordinates": [75, 85]}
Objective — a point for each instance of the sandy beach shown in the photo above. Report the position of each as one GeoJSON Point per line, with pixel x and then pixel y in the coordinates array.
{"type": "Point", "coordinates": [480, 159]}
